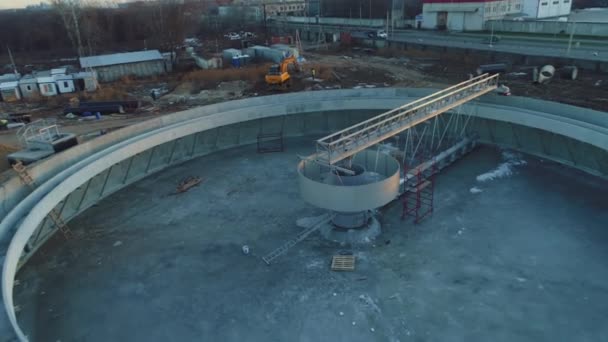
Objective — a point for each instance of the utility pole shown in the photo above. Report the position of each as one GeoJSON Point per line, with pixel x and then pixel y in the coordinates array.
{"type": "Point", "coordinates": [571, 36]}
{"type": "Point", "coordinates": [387, 23]}
{"type": "Point", "coordinates": [265, 21]}
{"type": "Point", "coordinates": [10, 56]}
{"type": "Point", "coordinates": [392, 18]}
{"type": "Point", "coordinates": [492, 33]}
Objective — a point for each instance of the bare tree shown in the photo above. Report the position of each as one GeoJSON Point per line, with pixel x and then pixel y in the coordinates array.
{"type": "Point", "coordinates": [172, 23]}
{"type": "Point", "coordinates": [69, 10]}
{"type": "Point", "coordinates": [81, 21]}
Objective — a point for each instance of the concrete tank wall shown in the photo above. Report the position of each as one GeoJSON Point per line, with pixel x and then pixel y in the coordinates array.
{"type": "Point", "coordinates": [76, 179]}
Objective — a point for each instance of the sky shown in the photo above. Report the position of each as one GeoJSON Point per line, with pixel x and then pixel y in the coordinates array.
{"type": "Point", "coordinates": [18, 3]}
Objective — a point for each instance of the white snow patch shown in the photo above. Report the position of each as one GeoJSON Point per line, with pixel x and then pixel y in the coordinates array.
{"type": "Point", "coordinates": [475, 190]}
{"type": "Point", "coordinates": [504, 169]}
{"type": "Point", "coordinates": [370, 302]}
{"type": "Point", "coordinates": [317, 263]}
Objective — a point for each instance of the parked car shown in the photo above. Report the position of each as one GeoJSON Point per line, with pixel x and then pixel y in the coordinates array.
{"type": "Point", "coordinates": [233, 36]}
{"type": "Point", "coordinates": [194, 42]}
{"type": "Point", "coordinates": [377, 34]}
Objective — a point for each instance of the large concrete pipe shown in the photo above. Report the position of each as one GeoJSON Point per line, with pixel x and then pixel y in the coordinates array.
{"type": "Point", "coordinates": [546, 74]}
{"type": "Point", "coordinates": [569, 72]}
{"type": "Point", "coordinates": [491, 68]}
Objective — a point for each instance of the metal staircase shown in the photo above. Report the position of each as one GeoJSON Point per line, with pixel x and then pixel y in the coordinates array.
{"type": "Point", "coordinates": [301, 236]}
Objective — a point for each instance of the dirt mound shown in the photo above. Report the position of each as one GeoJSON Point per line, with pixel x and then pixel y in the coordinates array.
{"type": "Point", "coordinates": [5, 150]}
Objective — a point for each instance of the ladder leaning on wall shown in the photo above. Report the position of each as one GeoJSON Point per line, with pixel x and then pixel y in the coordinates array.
{"type": "Point", "coordinates": [54, 214]}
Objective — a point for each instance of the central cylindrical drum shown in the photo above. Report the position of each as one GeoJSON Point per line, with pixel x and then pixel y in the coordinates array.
{"type": "Point", "coordinates": [375, 182]}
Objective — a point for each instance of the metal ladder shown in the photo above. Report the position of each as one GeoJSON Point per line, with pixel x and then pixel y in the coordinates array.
{"type": "Point", "coordinates": [54, 214]}
{"type": "Point", "coordinates": [301, 236]}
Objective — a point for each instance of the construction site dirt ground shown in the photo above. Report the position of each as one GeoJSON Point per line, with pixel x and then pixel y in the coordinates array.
{"type": "Point", "coordinates": [336, 68]}
{"type": "Point", "coordinates": [513, 253]}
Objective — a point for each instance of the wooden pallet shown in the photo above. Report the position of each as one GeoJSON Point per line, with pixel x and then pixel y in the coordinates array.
{"type": "Point", "coordinates": [343, 263]}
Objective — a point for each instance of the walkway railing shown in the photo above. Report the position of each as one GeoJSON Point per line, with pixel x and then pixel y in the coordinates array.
{"type": "Point", "coordinates": [347, 142]}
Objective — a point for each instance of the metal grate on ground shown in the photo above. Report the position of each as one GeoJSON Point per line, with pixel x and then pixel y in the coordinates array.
{"type": "Point", "coordinates": [343, 263]}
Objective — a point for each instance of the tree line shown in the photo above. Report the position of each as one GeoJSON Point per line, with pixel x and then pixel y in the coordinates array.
{"type": "Point", "coordinates": [90, 27]}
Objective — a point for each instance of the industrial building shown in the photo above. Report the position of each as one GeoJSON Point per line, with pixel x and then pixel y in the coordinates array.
{"type": "Point", "coordinates": [115, 66]}
{"type": "Point", "coordinates": [296, 8]}
{"type": "Point", "coordinates": [540, 9]}
{"type": "Point", "coordinates": [466, 15]}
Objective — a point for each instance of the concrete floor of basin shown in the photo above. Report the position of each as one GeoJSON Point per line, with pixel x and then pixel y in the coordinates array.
{"type": "Point", "coordinates": [525, 259]}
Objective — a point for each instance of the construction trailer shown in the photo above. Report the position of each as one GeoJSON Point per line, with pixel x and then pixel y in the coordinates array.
{"type": "Point", "coordinates": [65, 83]}
{"type": "Point", "coordinates": [9, 91]}
{"type": "Point", "coordinates": [85, 81]}
{"type": "Point", "coordinates": [28, 85]}
{"type": "Point", "coordinates": [47, 85]}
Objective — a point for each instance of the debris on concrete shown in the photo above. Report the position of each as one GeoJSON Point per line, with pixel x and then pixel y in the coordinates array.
{"type": "Point", "coordinates": [187, 183]}
{"type": "Point", "coordinates": [245, 249]}
{"type": "Point", "coordinates": [341, 313]}
{"type": "Point", "coordinates": [117, 243]}
{"type": "Point", "coordinates": [503, 90]}
{"type": "Point", "coordinates": [516, 74]}
{"type": "Point", "coordinates": [366, 299]}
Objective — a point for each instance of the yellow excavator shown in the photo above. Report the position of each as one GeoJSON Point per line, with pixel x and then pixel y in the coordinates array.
{"type": "Point", "coordinates": [278, 76]}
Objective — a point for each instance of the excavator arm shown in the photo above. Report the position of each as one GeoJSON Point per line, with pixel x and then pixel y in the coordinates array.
{"type": "Point", "coordinates": [278, 75]}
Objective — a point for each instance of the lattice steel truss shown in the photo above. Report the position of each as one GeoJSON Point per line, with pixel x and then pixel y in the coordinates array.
{"type": "Point", "coordinates": [347, 142]}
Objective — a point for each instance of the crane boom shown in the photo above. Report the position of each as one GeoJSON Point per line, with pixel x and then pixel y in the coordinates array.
{"type": "Point", "coordinates": [349, 141]}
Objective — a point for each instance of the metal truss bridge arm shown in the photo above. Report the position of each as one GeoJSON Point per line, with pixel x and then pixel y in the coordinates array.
{"type": "Point", "coordinates": [349, 141]}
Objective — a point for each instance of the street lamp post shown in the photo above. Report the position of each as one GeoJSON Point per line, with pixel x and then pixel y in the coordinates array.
{"type": "Point", "coordinates": [571, 37]}
{"type": "Point", "coordinates": [492, 33]}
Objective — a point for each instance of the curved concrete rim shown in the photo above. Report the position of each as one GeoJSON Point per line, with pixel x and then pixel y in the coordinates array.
{"type": "Point", "coordinates": [580, 124]}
